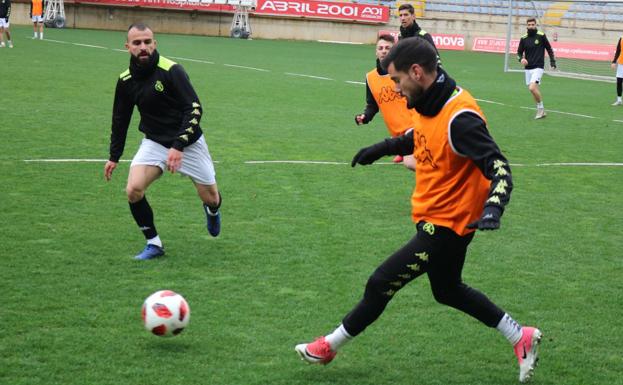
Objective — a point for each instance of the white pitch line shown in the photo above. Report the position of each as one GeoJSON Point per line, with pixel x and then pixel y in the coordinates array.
{"type": "Point", "coordinates": [353, 82]}
{"type": "Point", "coordinates": [308, 76]}
{"type": "Point", "coordinates": [90, 46]}
{"type": "Point", "coordinates": [562, 112]}
{"type": "Point", "coordinates": [246, 68]}
{"type": "Point", "coordinates": [119, 50]}
{"type": "Point", "coordinates": [618, 121]}
{"type": "Point", "coordinates": [339, 42]}
{"type": "Point", "coordinates": [69, 160]}
{"type": "Point", "coordinates": [291, 162]}
{"type": "Point", "coordinates": [490, 102]}
{"type": "Point", "coordinates": [56, 41]}
{"type": "Point", "coordinates": [580, 164]}
{"type": "Point", "coordinates": [193, 60]}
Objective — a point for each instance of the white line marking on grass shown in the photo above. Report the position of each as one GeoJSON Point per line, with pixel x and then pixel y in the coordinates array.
{"type": "Point", "coordinates": [291, 162]}
{"type": "Point", "coordinates": [580, 164]}
{"type": "Point", "coordinates": [89, 46]}
{"type": "Point", "coordinates": [70, 160]}
{"type": "Point", "coordinates": [246, 68]}
{"type": "Point", "coordinates": [618, 121]}
{"type": "Point", "coordinates": [56, 41]}
{"type": "Point", "coordinates": [120, 50]}
{"type": "Point", "coordinates": [353, 82]}
{"type": "Point", "coordinates": [308, 76]}
{"type": "Point", "coordinates": [561, 112]}
{"type": "Point", "coordinates": [339, 42]}
{"type": "Point", "coordinates": [193, 60]}
{"type": "Point", "coordinates": [490, 102]}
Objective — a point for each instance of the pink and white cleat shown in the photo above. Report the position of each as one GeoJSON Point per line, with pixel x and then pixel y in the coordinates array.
{"type": "Point", "coordinates": [527, 352]}
{"type": "Point", "coordinates": [317, 352]}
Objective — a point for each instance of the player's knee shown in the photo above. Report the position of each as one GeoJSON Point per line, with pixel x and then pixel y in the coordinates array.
{"type": "Point", "coordinates": [446, 295]}
{"type": "Point", "coordinates": [134, 194]}
{"type": "Point", "coordinates": [533, 87]}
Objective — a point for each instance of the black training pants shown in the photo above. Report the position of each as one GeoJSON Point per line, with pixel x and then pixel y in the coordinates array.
{"type": "Point", "coordinates": [440, 253]}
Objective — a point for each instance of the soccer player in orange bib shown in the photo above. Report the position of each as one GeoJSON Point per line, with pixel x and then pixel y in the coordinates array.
{"type": "Point", "coordinates": [463, 184]}
{"type": "Point", "coordinates": [380, 95]}
{"type": "Point", "coordinates": [36, 14]}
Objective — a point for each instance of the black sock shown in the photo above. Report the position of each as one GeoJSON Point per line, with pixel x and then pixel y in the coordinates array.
{"type": "Point", "coordinates": [144, 217]}
{"type": "Point", "coordinates": [214, 209]}
{"type": "Point", "coordinates": [619, 87]}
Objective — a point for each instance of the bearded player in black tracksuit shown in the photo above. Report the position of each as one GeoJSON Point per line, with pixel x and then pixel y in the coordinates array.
{"type": "Point", "coordinates": [531, 54]}
{"type": "Point", "coordinates": [170, 114]}
{"type": "Point", "coordinates": [5, 13]}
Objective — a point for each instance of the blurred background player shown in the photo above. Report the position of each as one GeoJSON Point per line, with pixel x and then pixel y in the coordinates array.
{"type": "Point", "coordinates": [409, 27]}
{"type": "Point", "coordinates": [617, 63]}
{"type": "Point", "coordinates": [5, 13]}
{"type": "Point", "coordinates": [36, 14]}
{"type": "Point", "coordinates": [170, 114]}
{"type": "Point", "coordinates": [380, 94]}
{"type": "Point", "coordinates": [531, 54]}
{"type": "Point", "coordinates": [463, 184]}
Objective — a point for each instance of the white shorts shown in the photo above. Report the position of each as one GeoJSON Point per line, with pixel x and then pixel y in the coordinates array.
{"type": "Point", "coordinates": [4, 23]}
{"type": "Point", "coordinates": [619, 70]}
{"type": "Point", "coordinates": [196, 162]}
{"type": "Point", "coordinates": [534, 76]}
{"type": "Point", "coordinates": [37, 19]}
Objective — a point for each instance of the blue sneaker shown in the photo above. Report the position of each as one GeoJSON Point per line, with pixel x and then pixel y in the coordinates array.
{"type": "Point", "coordinates": [214, 221]}
{"type": "Point", "coordinates": [149, 252]}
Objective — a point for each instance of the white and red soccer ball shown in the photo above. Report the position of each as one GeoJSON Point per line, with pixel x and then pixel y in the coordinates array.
{"type": "Point", "coordinates": [165, 313]}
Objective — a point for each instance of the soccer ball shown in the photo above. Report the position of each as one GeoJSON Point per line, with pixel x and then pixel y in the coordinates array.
{"type": "Point", "coordinates": [165, 313]}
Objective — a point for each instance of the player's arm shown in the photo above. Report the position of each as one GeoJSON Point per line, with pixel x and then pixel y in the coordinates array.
{"type": "Point", "coordinates": [617, 53]}
{"type": "Point", "coordinates": [469, 137]}
{"type": "Point", "coordinates": [372, 108]}
{"type": "Point", "coordinates": [520, 49]}
{"type": "Point", "coordinates": [121, 115]}
{"type": "Point", "coordinates": [400, 145]}
{"type": "Point", "coordinates": [8, 10]}
{"type": "Point", "coordinates": [191, 107]}
{"type": "Point", "coordinates": [550, 52]}
{"type": "Point", "coordinates": [30, 12]}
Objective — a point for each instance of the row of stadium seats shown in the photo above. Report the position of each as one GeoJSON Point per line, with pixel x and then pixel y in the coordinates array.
{"type": "Point", "coordinates": [570, 10]}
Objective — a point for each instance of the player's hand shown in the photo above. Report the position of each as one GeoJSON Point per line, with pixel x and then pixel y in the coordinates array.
{"type": "Point", "coordinates": [553, 65]}
{"type": "Point", "coordinates": [368, 155]}
{"type": "Point", "coordinates": [490, 219]}
{"type": "Point", "coordinates": [613, 66]}
{"type": "Point", "coordinates": [109, 167]}
{"type": "Point", "coordinates": [360, 119]}
{"type": "Point", "coordinates": [524, 62]}
{"type": "Point", "coordinates": [174, 160]}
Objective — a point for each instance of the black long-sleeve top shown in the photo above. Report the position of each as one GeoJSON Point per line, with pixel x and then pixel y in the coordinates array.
{"type": "Point", "coordinates": [534, 47]}
{"type": "Point", "coordinates": [469, 137]}
{"type": "Point", "coordinates": [5, 9]}
{"type": "Point", "coordinates": [618, 52]}
{"type": "Point", "coordinates": [372, 107]}
{"type": "Point", "coordinates": [167, 102]}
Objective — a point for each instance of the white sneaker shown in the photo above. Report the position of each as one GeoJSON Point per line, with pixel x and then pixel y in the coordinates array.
{"type": "Point", "coordinates": [2, 45]}
{"type": "Point", "coordinates": [10, 45]}
{"type": "Point", "coordinates": [617, 103]}
{"type": "Point", "coordinates": [540, 113]}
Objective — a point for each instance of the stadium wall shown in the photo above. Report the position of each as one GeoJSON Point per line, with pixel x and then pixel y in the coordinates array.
{"type": "Point", "coordinates": [266, 27]}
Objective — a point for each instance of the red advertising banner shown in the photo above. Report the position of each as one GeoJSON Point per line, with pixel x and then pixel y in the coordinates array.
{"type": "Point", "coordinates": [367, 13]}
{"type": "Point", "coordinates": [442, 40]}
{"type": "Point", "coordinates": [597, 52]}
{"type": "Point", "coordinates": [188, 5]}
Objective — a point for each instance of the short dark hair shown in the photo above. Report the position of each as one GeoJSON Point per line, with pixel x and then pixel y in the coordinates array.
{"type": "Point", "coordinates": [408, 7]}
{"type": "Point", "coordinates": [140, 26]}
{"type": "Point", "coordinates": [386, 37]}
{"type": "Point", "coordinates": [530, 19]}
{"type": "Point", "coordinates": [409, 51]}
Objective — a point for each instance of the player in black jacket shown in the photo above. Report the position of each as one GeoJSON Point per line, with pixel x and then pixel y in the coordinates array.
{"type": "Point", "coordinates": [531, 54]}
{"type": "Point", "coordinates": [5, 13]}
{"type": "Point", "coordinates": [170, 114]}
{"type": "Point", "coordinates": [616, 64]}
{"type": "Point", "coordinates": [410, 28]}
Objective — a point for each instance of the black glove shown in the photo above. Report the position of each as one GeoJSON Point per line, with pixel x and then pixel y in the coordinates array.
{"type": "Point", "coordinates": [490, 219]}
{"type": "Point", "coordinates": [552, 64]}
{"type": "Point", "coordinates": [368, 155]}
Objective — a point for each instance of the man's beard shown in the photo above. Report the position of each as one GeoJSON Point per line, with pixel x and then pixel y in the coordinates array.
{"type": "Point", "coordinates": [415, 96]}
{"type": "Point", "coordinates": [143, 59]}
{"type": "Point", "coordinates": [531, 32]}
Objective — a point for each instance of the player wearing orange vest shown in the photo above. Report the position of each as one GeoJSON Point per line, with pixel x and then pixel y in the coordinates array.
{"type": "Point", "coordinates": [463, 184]}
{"type": "Point", "coordinates": [36, 13]}
{"type": "Point", "coordinates": [380, 95]}
{"type": "Point", "coordinates": [617, 63]}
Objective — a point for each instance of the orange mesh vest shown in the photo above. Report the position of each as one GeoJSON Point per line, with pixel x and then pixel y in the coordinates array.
{"type": "Point", "coordinates": [450, 189]}
{"type": "Point", "coordinates": [398, 118]}
{"type": "Point", "coordinates": [37, 7]}
{"type": "Point", "coordinates": [620, 59]}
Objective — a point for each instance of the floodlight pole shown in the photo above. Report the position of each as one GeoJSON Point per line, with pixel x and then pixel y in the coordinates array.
{"type": "Point", "coordinates": [509, 30]}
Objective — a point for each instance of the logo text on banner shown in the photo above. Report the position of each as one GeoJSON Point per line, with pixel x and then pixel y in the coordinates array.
{"type": "Point", "coordinates": [442, 40]}
{"type": "Point", "coordinates": [324, 10]}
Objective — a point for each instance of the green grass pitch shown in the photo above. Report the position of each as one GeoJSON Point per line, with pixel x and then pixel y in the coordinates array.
{"type": "Point", "coordinates": [298, 240]}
